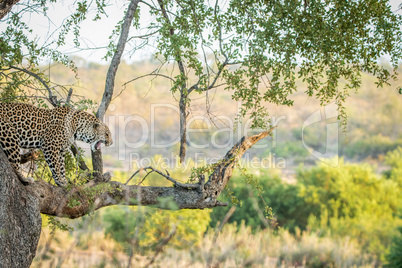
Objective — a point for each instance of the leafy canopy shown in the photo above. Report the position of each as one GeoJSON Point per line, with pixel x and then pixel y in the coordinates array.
{"type": "Point", "coordinates": [270, 44]}
{"type": "Point", "coordinates": [256, 49]}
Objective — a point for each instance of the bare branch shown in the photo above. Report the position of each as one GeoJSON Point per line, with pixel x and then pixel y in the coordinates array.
{"type": "Point", "coordinates": [176, 183]}
{"type": "Point", "coordinates": [142, 36]}
{"type": "Point", "coordinates": [217, 231]}
{"type": "Point", "coordinates": [162, 244]}
{"type": "Point", "coordinates": [81, 164]}
{"type": "Point", "coordinates": [52, 99]}
{"type": "Point", "coordinates": [142, 76]}
{"type": "Point", "coordinates": [222, 66]}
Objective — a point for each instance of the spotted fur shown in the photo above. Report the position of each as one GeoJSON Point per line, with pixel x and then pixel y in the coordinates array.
{"type": "Point", "coordinates": [26, 126]}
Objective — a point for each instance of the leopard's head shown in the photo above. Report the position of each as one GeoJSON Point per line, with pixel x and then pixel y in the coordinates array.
{"type": "Point", "coordinates": [93, 131]}
{"type": "Point", "coordinates": [102, 135]}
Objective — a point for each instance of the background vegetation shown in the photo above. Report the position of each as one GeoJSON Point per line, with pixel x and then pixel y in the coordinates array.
{"type": "Point", "coordinates": [340, 215]}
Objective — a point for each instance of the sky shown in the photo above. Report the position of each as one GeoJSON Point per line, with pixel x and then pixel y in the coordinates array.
{"type": "Point", "coordinates": [95, 33]}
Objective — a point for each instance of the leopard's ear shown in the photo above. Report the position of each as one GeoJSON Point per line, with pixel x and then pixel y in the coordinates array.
{"type": "Point", "coordinates": [96, 125]}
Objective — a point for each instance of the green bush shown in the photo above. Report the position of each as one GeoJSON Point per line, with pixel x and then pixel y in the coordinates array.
{"type": "Point", "coordinates": [291, 149]}
{"type": "Point", "coordinates": [145, 228]}
{"type": "Point", "coordinates": [351, 200]}
{"type": "Point", "coordinates": [373, 146]}
{"type": "Point", "coordinates": [289, 209]}
{"type": "Point", "coordinates": [394, 160]}
{"type": "Point", "coordinates": [395, 256]}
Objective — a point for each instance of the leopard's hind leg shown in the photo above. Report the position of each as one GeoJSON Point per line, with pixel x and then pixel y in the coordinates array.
{"type": "Point", "coordinates": [10, 144]}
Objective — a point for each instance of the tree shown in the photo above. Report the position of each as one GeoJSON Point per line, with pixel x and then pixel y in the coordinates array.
{"type": "Point", "coordinates": [256, 49]}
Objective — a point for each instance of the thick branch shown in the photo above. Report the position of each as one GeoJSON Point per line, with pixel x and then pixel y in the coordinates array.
{"type": "Point", "coordinates": [5, 7]}
{"type": "Point", "coordinates": [94, 195]}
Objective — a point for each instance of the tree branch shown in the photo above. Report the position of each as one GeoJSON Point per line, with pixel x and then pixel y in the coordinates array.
{"type": "Point", "coordinates": [110, 79]}
{"type": "Point", "coordinates": [52, 99]}
{"type": "Point", "coordinates": [111, 73]}
{"type": "Point", "coordinates": [183, 91]}
{"type": "Point", "coordinates": [94, 195]}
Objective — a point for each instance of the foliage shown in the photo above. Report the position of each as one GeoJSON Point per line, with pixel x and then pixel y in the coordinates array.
{"type": "Point", "coordinates": [143, 228]}
{"type": "Point", "coordinates": [372, 146]}
{"type": "Point", "coordinates": [395, 255]}
{"type": "Point", "coordinates": [274, 43]}
{"type": "Point", "coordinates": [290, 211]}
{"type": "Point", "coordinates": [258, 48]}
{"type": "Point", "coordinates": [394, 160]}
{"type": "Point", "coordinates": [74, 175]}
{"type": "Point", "coordinates": [349, 200]}
{"type": "Point", "coordinates": [55, 224]}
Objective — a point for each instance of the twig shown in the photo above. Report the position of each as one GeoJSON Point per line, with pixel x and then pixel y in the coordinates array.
{"type": "Point", "coordinates": [142, 76]}
{"type": "Point", "coordinates": [81, 164]}
{"type": "Point", "coordinates": [135, 173]}
{"type": "Point", "coordinates": [46, 249]}
{"type": "Point", "coordinates": [175, 183]}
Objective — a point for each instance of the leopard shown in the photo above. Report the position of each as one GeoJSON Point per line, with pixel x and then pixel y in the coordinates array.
{"type": "Point", "coordinates": [53, 131]}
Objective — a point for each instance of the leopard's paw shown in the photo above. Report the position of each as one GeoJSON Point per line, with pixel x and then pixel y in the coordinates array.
{"type": "Point", "coordinates": [30, 180]}
{"type": "Point", "coordinates": [26, 181]}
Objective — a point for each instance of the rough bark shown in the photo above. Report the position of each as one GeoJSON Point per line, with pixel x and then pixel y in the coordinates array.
{"type": "Point", "coordinates": [5, 7]}
{"type": "Point", "coordinates": [20, 220]}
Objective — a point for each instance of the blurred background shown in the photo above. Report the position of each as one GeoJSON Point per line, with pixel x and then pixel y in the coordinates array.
{"type": "Point", "coordinates": [287, 208]}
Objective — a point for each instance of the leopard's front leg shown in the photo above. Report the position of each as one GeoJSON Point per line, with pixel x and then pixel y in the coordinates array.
{"type": "Point", "coordinates": [55, 160]}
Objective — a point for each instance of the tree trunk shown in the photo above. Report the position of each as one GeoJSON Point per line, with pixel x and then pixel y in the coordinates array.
{"type": "Point", "coordinates": [20, 220]}
{"type": "Point", "coordinates": [5, 7]}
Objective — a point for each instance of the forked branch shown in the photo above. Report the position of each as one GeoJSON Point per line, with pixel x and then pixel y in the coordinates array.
{"type": "Point", "coordinates": [82, 200]}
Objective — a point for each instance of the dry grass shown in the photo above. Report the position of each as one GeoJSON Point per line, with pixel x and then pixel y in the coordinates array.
{"type": "Point", "coordinates": [234, 247]}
